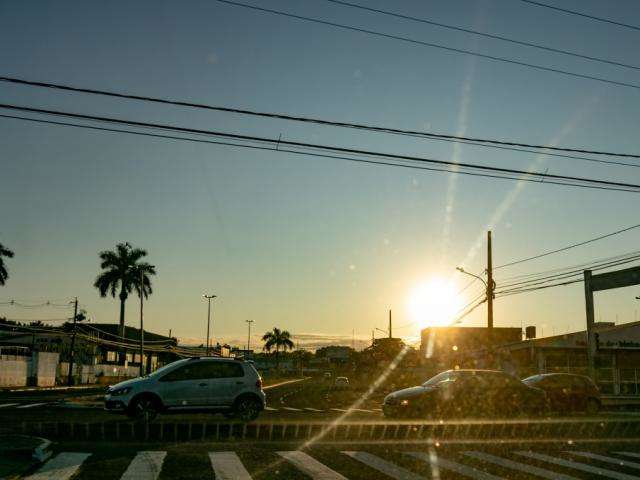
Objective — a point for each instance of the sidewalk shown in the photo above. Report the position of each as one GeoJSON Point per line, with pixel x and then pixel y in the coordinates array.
{"type": "Point", "coordinates": [52, 389]}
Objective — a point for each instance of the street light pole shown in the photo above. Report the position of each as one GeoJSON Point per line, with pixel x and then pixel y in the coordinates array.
{"type": "Point", "coordinates": [209, 298]}
{"type": "Point", "coordinates": [249, 322]}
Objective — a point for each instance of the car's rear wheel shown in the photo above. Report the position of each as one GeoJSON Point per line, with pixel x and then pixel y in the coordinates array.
{"type": "Point", "coordinates": [144, 408]}
{"type": "Point", "coordinates": [593, 406]}
{"type": "Point", "coordinates": [247, 409]}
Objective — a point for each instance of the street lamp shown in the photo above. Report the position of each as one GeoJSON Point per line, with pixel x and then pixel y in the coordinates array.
{"type": "Point", "coordinates": [249, 322]}
{"type": "Point", "coordinates": [209, 298]}
{"type": "Point", "coordinates": [462, 270]}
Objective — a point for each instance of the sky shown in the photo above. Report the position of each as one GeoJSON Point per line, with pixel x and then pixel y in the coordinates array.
{"type": "Point", "coordinates": [320, 247]}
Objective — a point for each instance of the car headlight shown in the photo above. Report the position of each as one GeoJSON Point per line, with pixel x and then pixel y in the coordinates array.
{"type": "Point", "coordinates": [404, 402]}
{"type": "Point", "coordinates": [120, 391]}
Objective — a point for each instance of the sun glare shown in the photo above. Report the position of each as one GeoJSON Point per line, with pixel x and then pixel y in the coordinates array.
{"type": "Point", "coordinates": [433, 303]}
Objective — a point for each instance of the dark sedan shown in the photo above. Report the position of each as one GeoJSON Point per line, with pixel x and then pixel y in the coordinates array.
{"type": "Point", "coordinates": [568, 392]}
{"type": "Point", "coordinates": [466, 393]}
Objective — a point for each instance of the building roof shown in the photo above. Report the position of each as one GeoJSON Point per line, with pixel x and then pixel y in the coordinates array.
{"type": "Point", "coordinates": [624, 336]}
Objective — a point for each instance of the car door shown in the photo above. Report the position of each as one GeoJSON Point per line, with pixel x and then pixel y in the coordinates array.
{"type": "Point", "coordinates": [227, 382]}
{"type": "Point", "coordinates": [186, 386]}
{"type": "Point", "coordinates": [578, 394]}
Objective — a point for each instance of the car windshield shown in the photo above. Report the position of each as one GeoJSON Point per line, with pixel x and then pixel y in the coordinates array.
{"type": "Point", "coordinates": [170, 366]}
{"type": "Point", "coordinates": [533, 379]}
{"type": "Point", "coordinates": [440, 378]}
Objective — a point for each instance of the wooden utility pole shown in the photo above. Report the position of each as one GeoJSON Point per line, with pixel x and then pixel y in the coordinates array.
{"type": "Point", "coordinates": [490, 283]}
{"type": "Point", "coordinates": [73, 343]}
{"type": "Point", "coordinates": [390, 332]}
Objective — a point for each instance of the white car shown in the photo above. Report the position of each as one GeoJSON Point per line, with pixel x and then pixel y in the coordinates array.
{"type": "Point", "coordinates": [341, 382]}
{"type": "Point", "coordinates": [219, 385]}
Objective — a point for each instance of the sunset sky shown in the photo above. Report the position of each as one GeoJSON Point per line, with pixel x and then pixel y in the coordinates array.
{"type": "Point", "coordinates": [320, 247]}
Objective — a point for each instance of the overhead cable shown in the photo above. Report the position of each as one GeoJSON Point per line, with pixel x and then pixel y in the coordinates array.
{"type": "Point", "coordinates": [568, 247]}
{"type": "Point", "coordinates": [581, 14]}
{"type": "Point", "coordinates": [432, 45]}
{"type": "Point", "coordinates": [485, 34]}
{"type": "Point", "coordinates": [417, 162]}
{"type": "Point", "coordinates": [359, 126]}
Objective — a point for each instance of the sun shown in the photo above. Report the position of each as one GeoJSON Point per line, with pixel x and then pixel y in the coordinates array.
{"type": "Point", "coordinates": [433, 303]}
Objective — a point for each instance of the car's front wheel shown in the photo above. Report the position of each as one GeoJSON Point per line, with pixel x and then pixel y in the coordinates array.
{"type": "Point", "coordinates": [247, 409]}
{"type": "Point", "coordinates": [144, 408]}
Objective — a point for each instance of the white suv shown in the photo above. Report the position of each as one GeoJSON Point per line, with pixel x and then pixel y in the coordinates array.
{"type": "Point", "coordinates": [228, 386]}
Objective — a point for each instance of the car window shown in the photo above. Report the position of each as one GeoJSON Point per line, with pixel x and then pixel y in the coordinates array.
{"type": "Point", "coordinates": [229, 370]}
{"type": "Point", "coordinates": [190, 371]}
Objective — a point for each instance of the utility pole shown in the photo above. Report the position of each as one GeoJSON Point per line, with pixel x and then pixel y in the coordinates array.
{"type": "Point", "coordinates": [490, 284]}
{"type": "Point", "coordinates": [141, 323]}
{"type": "Point", "coordinates": [249, 322]}
{"type": "Point", "coordinates": [73, 343]}
{"type": "Point", "coordinates": [390, 335]}
{"type": "Point", "coordinates": [209, 298]}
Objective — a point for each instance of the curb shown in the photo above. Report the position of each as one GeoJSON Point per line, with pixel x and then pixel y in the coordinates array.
{"type": "Point", "coordinates": [400, 431]}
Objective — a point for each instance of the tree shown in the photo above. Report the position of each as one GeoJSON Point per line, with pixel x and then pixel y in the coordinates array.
{"type": "Point", "coordinates": [122, 270]}
{"type": "Point", "coordinates": [4, 252]}
{"type": "Point", "coordinates": [280, 339]}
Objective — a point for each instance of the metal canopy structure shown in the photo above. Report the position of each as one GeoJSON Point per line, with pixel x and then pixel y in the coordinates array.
{"type": "Point", "coordinates": [594, 283]}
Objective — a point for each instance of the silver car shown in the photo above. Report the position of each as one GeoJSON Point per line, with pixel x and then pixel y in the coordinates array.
{"type": "Point", "coordinates": [228, 386]}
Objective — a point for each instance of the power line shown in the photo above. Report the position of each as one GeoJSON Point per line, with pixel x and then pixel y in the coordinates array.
{"type": "Point", "coordinates": [433, 45]}
{"type": "Point", "coordinates": [568, 247]}
{"type": "Point", "coordinates": [484, 34]}
{"type": "Point", "coordinates": [358, 126]}
{"type": "Point", "coordinates": [574, 12]}
{"type": "Point", "coordinates": [535, 283]}
{"type": "Point", "coordinates": [566, 273]}
{"type": "Point", "coordinates": [504, 173]}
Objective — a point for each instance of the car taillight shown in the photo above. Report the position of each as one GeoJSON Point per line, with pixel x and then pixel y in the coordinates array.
{"type": "Point", "coordinates": [259, 383]}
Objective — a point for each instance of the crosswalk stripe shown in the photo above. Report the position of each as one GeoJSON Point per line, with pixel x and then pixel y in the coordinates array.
{"type": "Point", "coordinates": [577, 466]}
{"type": "Point", "coordinates": [31, 405]}
{"type": "Point", "coordinates": [605, 459]}
{"type": "Point", "coordinates": [522, 467]}
{"type": "Point", "coordinates": [270, 409]}
{"type": "Point", "coordinates": [145, 466]}
{"type": "Point", "coordinates": [227, 466]}
{"type": "Point", "coordinates": [453, 466]}
{"type": "Point", "coordinates": [62, 467]}
{"type": "Point", "coordinates": [628, 454]}
{"type": "Point", "coordinates": [310, 466]}
{"type": "Point", "coordinates": [389, 469]}
{"type": "Point", "coordinates": [292, 409]}
{"type": "Point", "coordinates": [5, 405]}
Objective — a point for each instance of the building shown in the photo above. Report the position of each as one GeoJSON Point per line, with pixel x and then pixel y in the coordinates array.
{"type": "Point", "coordinates": [335, 353]}
{"type": "Point", "coordinates": [617, 360]}
{"type": "Point", "coordinates": [448, 347]}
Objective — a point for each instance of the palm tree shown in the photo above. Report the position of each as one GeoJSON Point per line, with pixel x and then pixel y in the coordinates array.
{"type": "Point", "coordinates": [4, 252]}
{"type": "Point", "coordinates": [122, 270]}
{"type": "Point", "coordinates": [280, 339]}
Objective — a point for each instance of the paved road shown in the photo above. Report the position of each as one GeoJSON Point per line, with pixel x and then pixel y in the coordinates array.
{"type": "Point", "coordinates": [353, 462]}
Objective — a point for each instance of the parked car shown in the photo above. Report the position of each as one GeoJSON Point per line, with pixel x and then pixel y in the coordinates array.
{"type": "Point", "coordinates": [228, 386]}
{"type": "Point", "coordinates": [568, 392]}
{"type": "Point", "coordinates": [466, 393]}
{"type": "Point", "coordinates": [341, 383]}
